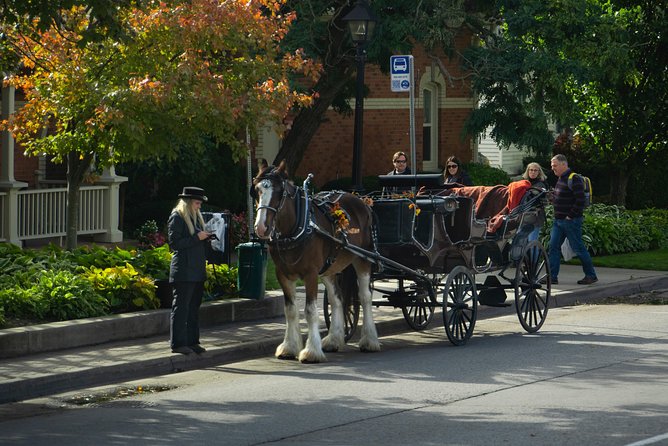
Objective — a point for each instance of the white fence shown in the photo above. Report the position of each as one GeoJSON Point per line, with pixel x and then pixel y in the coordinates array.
{"type": "Point", "coordinates": [42, 213]}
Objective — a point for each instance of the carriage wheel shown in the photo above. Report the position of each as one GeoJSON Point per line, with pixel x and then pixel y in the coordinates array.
{"type": "Point", "coordinates": [351, 315]}
{"type": "Point", "coordinates": [532, 299]}
{"type": "Point", "coordinates": [419, 313]}
{"type": "Point", "coordinates": [460, 305]}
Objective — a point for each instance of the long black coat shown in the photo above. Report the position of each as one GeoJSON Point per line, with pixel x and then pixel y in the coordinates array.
{"type": "Point", "coordinates": [189, 259]}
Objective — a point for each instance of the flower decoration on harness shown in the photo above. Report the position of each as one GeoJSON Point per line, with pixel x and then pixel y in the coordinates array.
{"type": "Point", "coordinates": [340, 218]}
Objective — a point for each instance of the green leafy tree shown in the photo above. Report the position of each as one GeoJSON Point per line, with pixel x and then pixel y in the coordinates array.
{"type": "Point", "coordinates": [185, 72]}
{"type": "Point", "coordinates": [320, 31]}
{"type": "Point", "coordinates": [597, 66]}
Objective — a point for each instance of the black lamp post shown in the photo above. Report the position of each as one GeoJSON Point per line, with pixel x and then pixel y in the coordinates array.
{"type": "Point", "coordinates": [361, 21]}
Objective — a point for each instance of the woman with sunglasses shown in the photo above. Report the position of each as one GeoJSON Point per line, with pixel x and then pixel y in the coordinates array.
{"type": "Point", "coordinates": [454, 173]}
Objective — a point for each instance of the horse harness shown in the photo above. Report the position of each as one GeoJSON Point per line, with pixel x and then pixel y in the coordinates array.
{"type": "Point", "coordinates": [306, 225]}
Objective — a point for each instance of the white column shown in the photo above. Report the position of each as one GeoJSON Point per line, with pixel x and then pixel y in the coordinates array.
{"type": "Point", "coordinates": [8, 184]}
{"type": "Point", "coordinates": [111, 206]}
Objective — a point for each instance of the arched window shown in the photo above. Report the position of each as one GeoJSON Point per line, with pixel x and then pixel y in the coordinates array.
{"type": "Point", "coordinates": [430, 127]}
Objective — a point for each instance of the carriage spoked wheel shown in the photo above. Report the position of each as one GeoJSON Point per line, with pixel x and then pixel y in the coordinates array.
{"type": "Point", "coordinates": [532, 298]}
{"type": "Point", "coordinates": [419, 312]}
{"type": "Point", "coordinates": [460, 305]}
{"type": "Point", "coordinates": [351, 316]}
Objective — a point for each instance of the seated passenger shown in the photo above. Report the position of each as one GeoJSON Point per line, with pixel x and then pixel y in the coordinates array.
{"type": "Point", "coordinates": [400, 162]}
{"type": "Point", "coordinates": [454, 173]}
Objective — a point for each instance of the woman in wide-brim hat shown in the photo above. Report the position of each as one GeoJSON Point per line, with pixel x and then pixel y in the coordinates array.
{"type": "Point", "coordinates": [187, 272]}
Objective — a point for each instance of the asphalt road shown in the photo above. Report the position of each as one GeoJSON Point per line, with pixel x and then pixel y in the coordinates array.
{"type": "Point", "coordinates": [594, 375]}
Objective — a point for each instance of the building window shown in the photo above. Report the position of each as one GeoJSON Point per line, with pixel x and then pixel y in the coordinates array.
{"type": "Point", "coordinates": [430, 128]}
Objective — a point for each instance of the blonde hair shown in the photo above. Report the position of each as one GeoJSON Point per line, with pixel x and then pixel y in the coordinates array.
{"type": "Point", "coordinates": [541, 174]}
{"type": "Point", "coordinates": [185, 209]}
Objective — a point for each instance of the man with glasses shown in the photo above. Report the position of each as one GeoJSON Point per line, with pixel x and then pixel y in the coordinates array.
{"type": "Point", "coordinates": [400, 162]}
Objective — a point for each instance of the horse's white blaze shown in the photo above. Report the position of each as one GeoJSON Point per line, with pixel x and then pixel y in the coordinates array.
{"type": "Point", "coordinates": [335, 339]}
{"type": "Point", "coordinates": [261, 218]}
{"type": "Point", "coordinates": [369, 338]}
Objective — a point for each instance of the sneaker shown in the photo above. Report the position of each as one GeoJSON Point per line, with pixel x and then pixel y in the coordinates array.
{"type": "Point", "coordinates": [183, 350]}
{"type": "Point", "coordinates": [587, 281]}
{"type": "Point", "coordinates": [197, 349]}
{"type": "Point", "coordinates": [543, 281]}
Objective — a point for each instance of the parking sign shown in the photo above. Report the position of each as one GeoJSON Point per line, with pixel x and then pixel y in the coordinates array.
{"type": "Point", "coordinates": [400, 73]}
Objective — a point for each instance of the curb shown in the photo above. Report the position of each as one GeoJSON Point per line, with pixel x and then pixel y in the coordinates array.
{"type": "Point", "coordinates": [19, 390]}
{"type": "Point", "coordinates": [43, 338]}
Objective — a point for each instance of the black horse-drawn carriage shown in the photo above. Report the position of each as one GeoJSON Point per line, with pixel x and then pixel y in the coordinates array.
{"type": "Point", "coordinates": [405, 250]}
{"type": "Point", "coordinates": [431, 246]}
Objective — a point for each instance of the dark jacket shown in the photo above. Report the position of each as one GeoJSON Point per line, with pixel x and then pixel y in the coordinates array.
{"type": "Point", "coordinates": [568, 202]}
{"type": "Point", "coordinates": [397, 190]}
{"type": "Point", "coordinates": [189, 259]}
{"type": "Point", "coordinates": [462, 177]}
{"type": "Point", "coordinates": [407, 171]}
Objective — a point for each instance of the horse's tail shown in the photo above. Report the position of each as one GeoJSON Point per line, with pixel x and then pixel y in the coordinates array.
{"type": "Point", "coordinates": [346, 283]}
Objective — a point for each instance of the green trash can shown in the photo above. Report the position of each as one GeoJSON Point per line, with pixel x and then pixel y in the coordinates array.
{"type": "Point", "coordinates": [252, 272]}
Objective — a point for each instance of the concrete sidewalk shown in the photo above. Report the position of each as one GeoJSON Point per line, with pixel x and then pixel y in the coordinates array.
{"type": "Point", "coordinates": [42, 360]}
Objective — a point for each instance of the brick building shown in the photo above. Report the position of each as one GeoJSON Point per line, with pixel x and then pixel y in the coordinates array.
{"type": "Point", "coordinates": [443, 101]}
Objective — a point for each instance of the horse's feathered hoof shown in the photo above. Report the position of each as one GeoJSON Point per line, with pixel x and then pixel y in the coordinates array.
{"type": "Point", "coordinates": [311, 357]}
{"type": "Point", "coordinates": [369, 347]}
{"type": "Point", "coordinates": [282, 352]}
{"type": "Point", "coordinates": [330, 345]}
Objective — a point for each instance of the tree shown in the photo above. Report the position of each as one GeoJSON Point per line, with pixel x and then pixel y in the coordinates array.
{"type": "Point", "coordinates": [185, 73]}
{"type": "Point", "coordinates": [324, 37]}
{"type": "Point", "coordinates": [597, 66]}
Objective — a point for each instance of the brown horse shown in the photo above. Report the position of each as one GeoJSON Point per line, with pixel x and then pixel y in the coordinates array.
{"type": "Point", "coordinates": [308, 237]}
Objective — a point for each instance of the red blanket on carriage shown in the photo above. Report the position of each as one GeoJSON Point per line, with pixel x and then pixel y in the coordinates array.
{"type": "Point", "coordinates": [493, 202]}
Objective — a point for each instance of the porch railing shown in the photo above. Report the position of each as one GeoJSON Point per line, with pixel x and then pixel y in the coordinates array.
{"type": "Point", "coordinates": [42, 212]}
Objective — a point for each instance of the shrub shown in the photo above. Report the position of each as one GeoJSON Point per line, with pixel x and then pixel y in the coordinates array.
{"type": "Point", "coordinates": [153, 263]}
{"type": "Point", "coordinates": [64, 295]}
{"type": "Point", "coordinates": [610, 229]}
{"type": "Point", "coordinates": [124, 288]}
{"type": "Point", "coordinates": [483, 175]}
{"type": "Point", "coordinates": [239, 229]}
{"type": "Point", "coordinates": [220, 280]}
{"type": "Point", "coordinates": [148, 236]}
{"type": "Point", "coordinates": [21, 302]}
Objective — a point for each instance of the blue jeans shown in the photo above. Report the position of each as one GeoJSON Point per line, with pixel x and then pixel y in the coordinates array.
{"type": "Point", "coordinates": [571, 229]}
{"type": "Point", "coordinates": [534, 234]}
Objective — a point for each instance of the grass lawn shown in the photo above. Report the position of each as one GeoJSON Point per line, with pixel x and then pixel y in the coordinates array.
{"type": "Point", "coordinates": [656, 260]}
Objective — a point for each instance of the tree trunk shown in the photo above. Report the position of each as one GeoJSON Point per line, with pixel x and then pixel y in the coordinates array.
{"type": "Point", "coordinates": [618, 182]}
{"type": "Point", "coordinates": [76, 168]}
{"type": "Point", "coordinates": [306, 124]}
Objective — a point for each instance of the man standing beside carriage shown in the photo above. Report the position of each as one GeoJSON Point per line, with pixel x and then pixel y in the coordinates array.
{"type": "Point", "coordinates": [569, 204]}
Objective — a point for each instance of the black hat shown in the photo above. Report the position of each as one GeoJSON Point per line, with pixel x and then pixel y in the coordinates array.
{"type": "Point", "coordinates": [194, 193]}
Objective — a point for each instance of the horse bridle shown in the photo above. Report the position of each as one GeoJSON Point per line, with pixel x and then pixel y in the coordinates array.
{"type": "Point", "coordinates": [305, 227]}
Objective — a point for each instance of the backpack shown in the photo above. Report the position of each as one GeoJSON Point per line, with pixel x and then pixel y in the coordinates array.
{"type": "Point", "coordinates": [587, 186]}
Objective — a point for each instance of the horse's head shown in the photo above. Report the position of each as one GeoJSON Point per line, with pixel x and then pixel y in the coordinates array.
{"type": "Point", "coordinates": [269, 192]}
